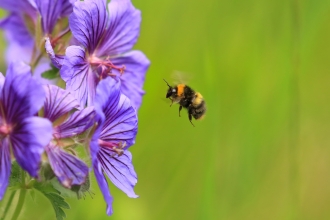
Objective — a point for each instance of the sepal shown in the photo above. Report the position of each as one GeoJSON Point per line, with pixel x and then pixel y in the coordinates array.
{"type": "Point", "coordinates": [80, 190]}
{"type": "Point", "coordinates": [76, 191]}
{"type": "Point", "coordinates": [46, 172]}
{"type": "Point", "coordinates": [15, 178]}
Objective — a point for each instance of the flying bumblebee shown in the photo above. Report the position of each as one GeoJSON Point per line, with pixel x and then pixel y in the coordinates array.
{"type": "Point", "coordinates": [187, 98]}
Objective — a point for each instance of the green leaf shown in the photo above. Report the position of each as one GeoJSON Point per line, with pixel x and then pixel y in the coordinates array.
{"type": "Point", "coordinates": [32, 194]}
{"type": "Point", "coordinates": [53, 73]}
{"type": "Point", "coordinates": [55, 199]}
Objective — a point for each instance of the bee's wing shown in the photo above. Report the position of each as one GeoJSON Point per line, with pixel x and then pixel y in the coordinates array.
{"type": "Point", "coordinates": [165, 100]}
{"type": "Point", "coordinates": [179, 77]}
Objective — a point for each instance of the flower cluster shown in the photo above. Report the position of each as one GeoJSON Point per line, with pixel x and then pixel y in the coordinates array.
{"type": "Point", "coordinates": [77, 84]}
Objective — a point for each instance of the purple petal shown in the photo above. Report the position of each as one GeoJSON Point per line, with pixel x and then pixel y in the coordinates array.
{"type": "Point", "coordinates": [67, 7]}
{"type": "Point", "coordinates": [58, 102]}
{"type": "Point", "coordinates": [17, 52]}
{"type": "Point", "coordinates": [16, 30]}
{"type": "Point", "coordinates": [77, 123]}
{"type": "Point", "coordinates": [132, 80]}
{"type": "Point", "coordinates": [21, 96]}
{"type": "Point", "coordinates": [78, 75]}
{"type": "Point", "coordinates": [68, 169]}
{"type": "Point", "coordinates": [88, 22]}
{"type": "Point", "coordinates": [102, 182]}
{"type": "Point", "coordinates": [57, 60]}
{"type": "Point", "coordinates": [21, 6]}
{"type": "Point", "coordinates": [16, 69]}
{"type": "Point", "coordinates": [2, 81]}
{"type": "Point", "coordinates": [28, 140]}
{"type": "Point", "coordinates": [5, 166]}
{"type": "Point", "coordinates": [120, 124]}
{"type": "Point", "coordinates": [119, 169]}
{"type": "Point", "coordinates": [50, 11]}
{"type": "Point", "coordinates": [107, 95]}
{"type": "Point", "coordinates": [123, 29]}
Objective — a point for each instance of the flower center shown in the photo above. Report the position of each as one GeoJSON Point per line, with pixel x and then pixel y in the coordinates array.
{"type": "Point", "coordinates": [62, 142]}
{"type": "Point", "coordinates": [105, 67]}
{"type": "Point", "coordinates": [116, 147]}
{"type": "Point", "coordinates": [5, 130]}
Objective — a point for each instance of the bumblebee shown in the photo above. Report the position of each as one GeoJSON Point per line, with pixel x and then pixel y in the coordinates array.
{"type": "Point", "coordinates": [187, 98]}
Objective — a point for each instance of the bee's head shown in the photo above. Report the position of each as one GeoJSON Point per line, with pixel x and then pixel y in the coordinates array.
{"type": "Point", "coordinates": [170, 90]}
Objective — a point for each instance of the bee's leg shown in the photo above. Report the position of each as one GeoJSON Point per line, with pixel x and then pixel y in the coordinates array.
{"type": "Point", "coordinates": [171, 102]}
{"type": "Point", "coordinates": [190, 118]}
{"type": "Point", "coordinates": [180, 108]}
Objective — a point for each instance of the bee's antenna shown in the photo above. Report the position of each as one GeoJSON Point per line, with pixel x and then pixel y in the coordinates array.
{"type": "Point", "coordinates": [167, 83]}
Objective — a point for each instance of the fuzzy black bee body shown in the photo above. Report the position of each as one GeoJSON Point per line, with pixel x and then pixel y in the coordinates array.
{"type": "Point", "coordinates": [187, 98]}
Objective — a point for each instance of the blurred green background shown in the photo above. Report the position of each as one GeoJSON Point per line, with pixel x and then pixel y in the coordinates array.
{"type": "Point", "coordinates": [263, 149]}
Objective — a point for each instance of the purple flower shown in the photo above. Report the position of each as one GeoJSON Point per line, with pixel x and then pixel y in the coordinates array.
{"type": "Point", "coordinates": [20, 131]}
{"type": "Point", "coordinates": [116, 131]}
{"type": "Point", "coordinates": [21, 23]}
{"type": "Point", "coordinates": [19, 38]}
{"type": "Point", "coordinates": [68, 168]}
{"type": "Point", "coordinates": [107, 38]}
{"type": "Point", "coordinates": [51, 11]}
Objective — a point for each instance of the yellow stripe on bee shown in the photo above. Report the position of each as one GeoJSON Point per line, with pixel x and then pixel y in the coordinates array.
{"type": "Point", "coordinates": [198, 99]}
{"type": "Point", "coordinates": [180, 89]}
{"type": "Point", "coordinates": [201, 118]}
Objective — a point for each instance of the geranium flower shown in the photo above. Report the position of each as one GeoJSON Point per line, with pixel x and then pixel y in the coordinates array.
{"type": "Point", "coordinates": [20, 131]}
{"type": "Point", "coordinates": [68, 168]}
{"type": "Point", "coordinates": [107, 38]}
{"type": "Point", "coordinates": [21, 25]}
{"type": "Point", "coordinates": [115, 133]}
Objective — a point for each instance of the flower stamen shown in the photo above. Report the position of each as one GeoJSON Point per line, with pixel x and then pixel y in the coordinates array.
{"type": "Point", "coordinates": [105, 66]}
{"type": "Point", "coordinates": [111, 65]}
{"type": "Point", "coordinates": [116, 147]}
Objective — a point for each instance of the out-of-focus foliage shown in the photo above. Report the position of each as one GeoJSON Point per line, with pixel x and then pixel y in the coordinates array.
{"type": "Point", "coordinates": [263, 149]}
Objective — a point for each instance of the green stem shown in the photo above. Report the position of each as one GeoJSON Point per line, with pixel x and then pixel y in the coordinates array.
{"type": "Point", "coordinates": [35, 62]}
{"type": "Point", "coordinates": [21, 198]}
{"type": "Point", "coordinates": [19, 204]}
{"type": "Point", "coordinates": [8, 204]}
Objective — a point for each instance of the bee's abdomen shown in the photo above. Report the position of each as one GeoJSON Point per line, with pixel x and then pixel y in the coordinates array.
{"type": "Point", "coordinates": [198, 100]}
{"type": "Point", "coordinates": [198, 111]}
